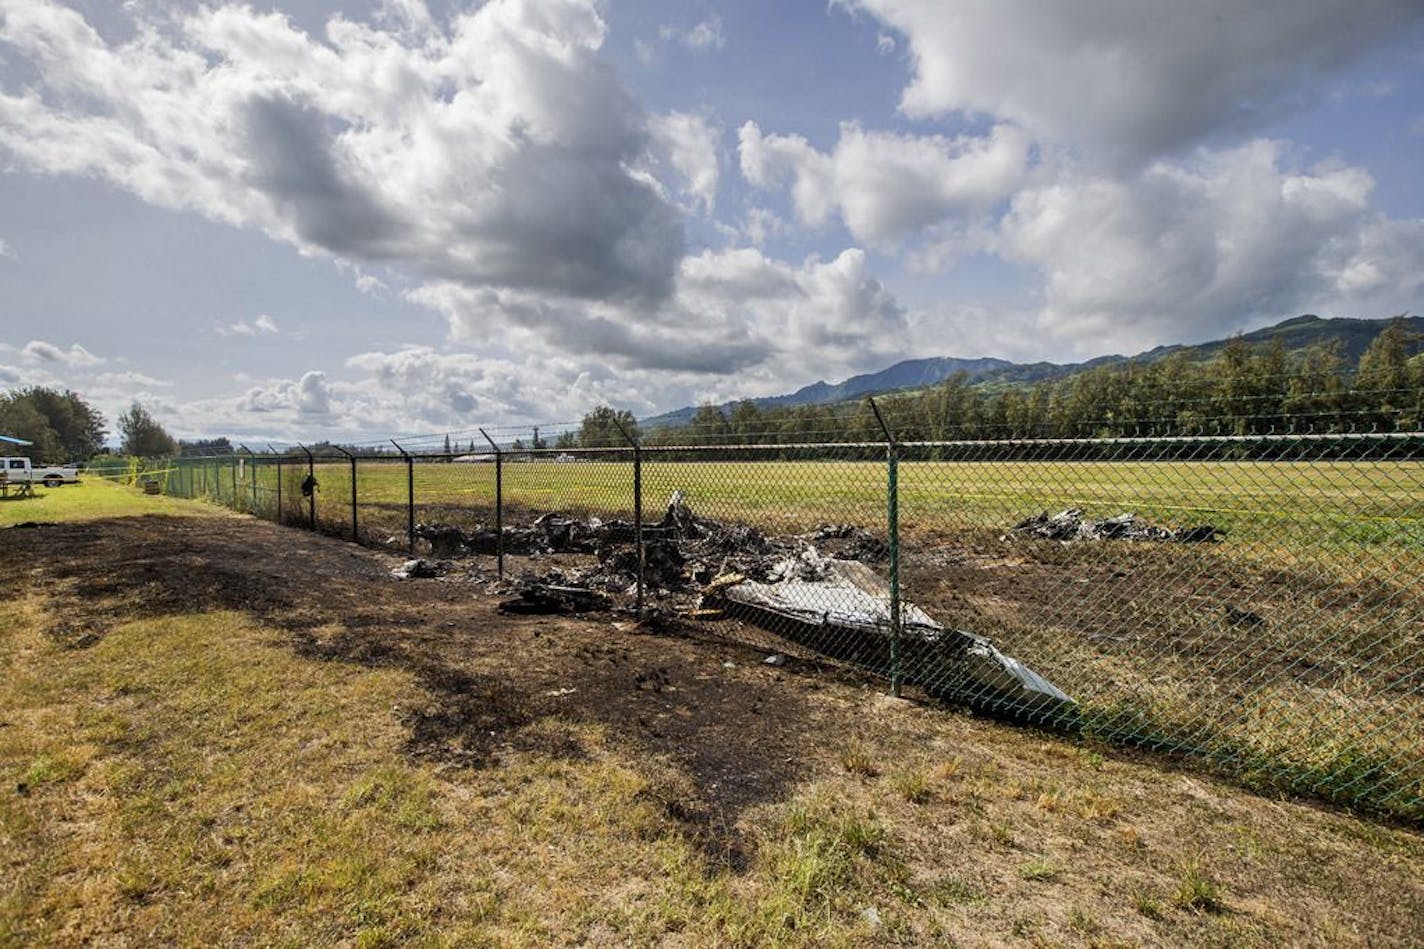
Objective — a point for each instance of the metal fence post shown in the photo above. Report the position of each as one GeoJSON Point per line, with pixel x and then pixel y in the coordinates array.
{"type": "Point", "coordinates": [355, 533]}
{"type": "Point", "coordinates": [250, 472]}
{"type": "Point", "coordinates": [311, 498]}
{"type": "Point", "coordinates": [637, 509]}
{"type": "Point", "coordinates": [409, 495]}
{"type": "Point", "coordinates": [498, 502]}
{"type": "Point", "coordinates": [280, 518]}
{"type": "Point", "coordinates": [892, 514]}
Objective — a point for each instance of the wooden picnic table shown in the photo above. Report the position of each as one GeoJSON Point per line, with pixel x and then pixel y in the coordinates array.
{"type": "Point", "coordinates": [16, 489]}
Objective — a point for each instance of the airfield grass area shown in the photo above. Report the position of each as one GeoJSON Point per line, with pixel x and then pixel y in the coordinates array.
{"type": "Point", "coordinates": [1310, 504]}
{"type": "Point", "coordinates": [217, 731]}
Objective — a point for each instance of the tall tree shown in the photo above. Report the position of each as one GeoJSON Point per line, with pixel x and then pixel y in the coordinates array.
{"type": "Point", "coordinates": [747, 423]}
{"type": "Point", "coordinates": [1315, 397]}
{"type": "Point", "coordinates": [210, 446]}
{"type": "Point", "coordinates": [709, 426]}
{"type": "Point", "coordinates": [600, 428]}
{"type": "Point", "coordinates": [62, 425]}
{"type": "Point", "coordinates": [143, 436]}
{"type": "Point", "coordinates": [1383, 387]}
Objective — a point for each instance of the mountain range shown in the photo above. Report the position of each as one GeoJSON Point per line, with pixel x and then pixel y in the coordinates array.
{"type": "Point", "coordinates": [1352, 335]}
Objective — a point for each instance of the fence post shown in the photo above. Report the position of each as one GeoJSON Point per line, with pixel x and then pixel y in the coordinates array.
{"type": "Point", "coordinates": [498, 502]}
{"type": "Point", "coordinates": [409, 495]}
{"type": "Point", "coordinates": [251, 470]}
{"type": "Point", "coordinates": [892, 514]}
{"type": "Point", "coordinates": [355, 534]}
{"type": "Point", "coordinates": [280, 518]}
{"type": "Point", "coordinates": [637, 508]}
{"type": "Point", "coordinates": [311, 498]}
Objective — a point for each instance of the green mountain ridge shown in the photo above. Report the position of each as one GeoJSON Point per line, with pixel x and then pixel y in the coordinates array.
{"type": "Point", "coordinates": [1352, 335]}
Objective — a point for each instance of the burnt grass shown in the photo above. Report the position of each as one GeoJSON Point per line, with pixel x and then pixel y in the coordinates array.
{"type": "Point", "coordinates": [493, 683]}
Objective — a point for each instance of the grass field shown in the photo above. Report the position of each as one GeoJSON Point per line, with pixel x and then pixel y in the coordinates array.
{"type": "Point", "coordinates": [1272, 503]}
{"type": "Point", "coordinates": [91, 501]}
{"type": "Point", "coordinates": [204, 775]}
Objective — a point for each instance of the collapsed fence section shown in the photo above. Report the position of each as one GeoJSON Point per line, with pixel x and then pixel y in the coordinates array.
{"type": "Point", "coordinates": [1254, 602]}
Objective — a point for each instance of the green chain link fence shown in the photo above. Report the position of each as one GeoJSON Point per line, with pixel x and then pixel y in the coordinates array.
{"type": "Point", "coordinates": [1253, 601]}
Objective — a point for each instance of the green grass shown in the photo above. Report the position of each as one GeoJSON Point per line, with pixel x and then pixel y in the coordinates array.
{"type": "Point", "coordinates": [93, 498]}
{"type": "Point", "coordinates": [1293, 504]}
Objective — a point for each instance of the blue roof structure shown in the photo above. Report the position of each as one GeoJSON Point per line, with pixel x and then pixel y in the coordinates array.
{"type": "Point", "coordinates": [14, 441]}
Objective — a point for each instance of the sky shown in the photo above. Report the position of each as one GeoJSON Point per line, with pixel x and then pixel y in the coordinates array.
{"type": "Point", "coordinates": [345, 220]}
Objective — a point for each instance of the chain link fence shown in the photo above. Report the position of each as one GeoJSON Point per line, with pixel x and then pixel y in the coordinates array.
{"type": "Point", "coordinates": [1252, 601]}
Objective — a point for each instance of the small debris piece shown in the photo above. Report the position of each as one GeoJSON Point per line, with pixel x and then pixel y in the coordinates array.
{"type": "Point", "coordinates": [545, 598]}
{"type": "Point", "coordinates": [420, 569]}
{"type": "Point", "coordinates": [1239, 617]}
{"type": "Point", "coordinates": [855, 543]}
{"type": "Point", "coordinates": [1071, 525]}
{"type": "Point", "coordinates": [776, 660]}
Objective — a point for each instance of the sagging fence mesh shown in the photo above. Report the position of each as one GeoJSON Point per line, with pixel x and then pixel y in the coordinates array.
{"type": "Point", "coordinates": [1255, 601]}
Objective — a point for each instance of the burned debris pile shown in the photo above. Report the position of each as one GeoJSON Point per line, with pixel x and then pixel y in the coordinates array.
{"type": "Point", "coordinates": [1071, 525]}
{"type": "Point", "coordinates": [816, 589]}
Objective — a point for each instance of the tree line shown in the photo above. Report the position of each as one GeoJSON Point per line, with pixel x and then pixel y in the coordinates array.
{"type": "Point", "coordinates": [1244, 390]}
{"type": "Point", "coordinates": [63, 427]}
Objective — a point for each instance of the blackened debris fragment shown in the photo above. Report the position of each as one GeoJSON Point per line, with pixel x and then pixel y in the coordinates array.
{"type": "Point", "coordinates": [1071, 525]}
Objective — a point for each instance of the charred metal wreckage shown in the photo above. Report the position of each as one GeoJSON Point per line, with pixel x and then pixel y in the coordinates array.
{"type": "Point", "coordinates": [815, 589]}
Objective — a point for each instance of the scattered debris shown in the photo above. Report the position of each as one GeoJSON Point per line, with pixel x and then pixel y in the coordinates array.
{"type": "Point", "coordinates": [538, 597]}
{"type": "Point", "coordinates": [857, 543]}
{"type": "Point", "coordinates": [421, 569]}
{"type": "Point", "coordinates": [1239, 617]}
{"type": "Point", "coordinates": [1071, 525]}
{"type": "Point", "coordinates": [814, 589]}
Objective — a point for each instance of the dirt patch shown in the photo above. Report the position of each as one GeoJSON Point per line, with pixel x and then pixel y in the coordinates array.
{"type": "Point", "coordinates": [494, 683]}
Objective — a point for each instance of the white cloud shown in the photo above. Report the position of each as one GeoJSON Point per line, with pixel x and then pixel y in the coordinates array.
{"type": "Point", "coordinates": [704, 35]}
{"type": "Point", "coordinates": [310, 395]}
{"type": "Point", "coordinates": [1143, 77]}
{"type": "Point", "coordinates": [371, 286]}
{"type": "Point", "coordinates": [731, 311]}
{"type": "Point", "coordinates": [1199, 248]}
{"type": "Point", "coordinates": [264, 325]}
{"type": "Point", "coordinates": [129, 379]}
{"type": "Point", "coordinates": [688, 144]}
{"type": "Point", "coordinates": [6, 250]}
{"type": "Point", "coordinates": [495, 153]}
{"type": "Point", "coordinates": [887, 187]}
{"type": "Point", "coordinates": [498, 161]}
{"type": "Point", "coordinates": [39, 352]}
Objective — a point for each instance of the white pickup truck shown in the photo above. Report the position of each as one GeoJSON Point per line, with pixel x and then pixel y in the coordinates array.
{"type": "Point", "coordinates": [17, 470]}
